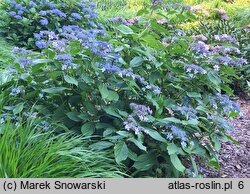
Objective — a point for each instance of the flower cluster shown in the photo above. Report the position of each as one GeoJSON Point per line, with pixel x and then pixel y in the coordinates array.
{"type": "Point", "coordinates": [156, 2]}
{"type": "Point", "coordinates": [222, 13]}
{"type": "Point", "coordinates": [225, 38]}
{"type": "Point", "coordinates": [132, 124]}
{"type": "Point", "coordinates": [195, 69]}
{"type": "Point", "coordinates": [141, 111]}
{"type": "Point", "coordinates": [223, 101]}
{"type": "Point", "coordinates": [178, 133]}
{"type": "Point", "coordinates": [188, 111]}
{"type": "Point", "coordinates": [18, 10]}
{"type": "Point", "coordinates": [220, 122]}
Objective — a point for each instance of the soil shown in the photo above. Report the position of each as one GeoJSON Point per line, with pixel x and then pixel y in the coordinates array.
{"type": "Point", "coordinates": [235, 160]}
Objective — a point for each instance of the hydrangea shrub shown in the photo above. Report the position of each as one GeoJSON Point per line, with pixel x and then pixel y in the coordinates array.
{"type": "Point", "coordinates": [158, 97]}
{"type": "Point", "coordinates": [22, 18]}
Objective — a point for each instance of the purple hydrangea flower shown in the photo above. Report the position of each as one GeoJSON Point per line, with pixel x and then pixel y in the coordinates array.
{"type": "Point", "coordinates": [156, 2]}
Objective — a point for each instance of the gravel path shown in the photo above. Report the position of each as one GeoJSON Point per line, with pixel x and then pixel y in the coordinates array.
{"type": "Point", "coordinates": [235, 160]}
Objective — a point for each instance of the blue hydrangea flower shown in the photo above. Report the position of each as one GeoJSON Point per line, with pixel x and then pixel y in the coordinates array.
{"type": "Point", "coordinates": [52, 6]}
{"type": "Point", "coordinates": [24, 62]}
{"type": "Point", "coordinates": [33, 4]}
{"type": "Point", "coordinates": [12, 13]}
{"type": "Point", "coordinates": [169, 136]}
{"type": "Point", "coordinates": [44, 22]}
{"type": "Point", "coordinates": [12, 4]}
{"type": "Point", "coordinates": [38, 36]}
{"type": "Point", "coordinates": [43, 13]}
{"type": "Point", "coordinates": [64, 57]}
{"type": "Point", "coordinates": [19, 6]}
{"type": "Point", "coordinates": [76, 16]}
{"type": "Point", "coordinates": [15, 91]}
{"type": "Point", "coordinates": [18, 17]}
{"type": "Point", "coordinates": [41, 44]}
{"type": "Point", "coordinates": [58, 12]}
{"type": "Point", "coordinates": [131, 124]}
{"type": "Point", "coordinates": [20, 12]}
{"type": "Point", "coordinates": [2, 120]}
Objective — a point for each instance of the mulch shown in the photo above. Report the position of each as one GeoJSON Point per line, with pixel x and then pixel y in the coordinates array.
{"type": "Point", "coordinates": [235, 160]}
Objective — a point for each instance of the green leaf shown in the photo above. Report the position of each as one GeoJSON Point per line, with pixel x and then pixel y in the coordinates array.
{"type": "Point", "coordinates": [145, 161]}
{"type": "Point", "coordinates": [155, 135]}
{"type": "Point", "coordinates": [173, 149]}
{"type": "Point", "coordinates": [18, 108]}
{"type": "Point", "coordinates": [177, 163]}
{"type": "Point", "coordinates": [112, 111]}
{"type": "Point", "coordinates": [136, 61]}
{"type": "Point", "coordinates": [121, 152]}
{"type": "Point", "coordinates": [54, 90]}
{"type": "Point", "coordinates": [40, 61]}
{"type": "Point", "coordinates": [138, 144]}
{"type": "Point", "coordinates": [194, 95]}
{"type": "Point", "coordinates": [214, 79]}
{"type": "Point", "coordinates": [216, 143]}
{"type": "Point", "coordinates": [70, 80]}
{"type": "Point", "coordinates": [88, 129]}
{"type": "Point", "coordinates": [108, 94]}
{"type": "Point", "coordinates": [214, 162]}
{"type": "Point", "coordinates": [125, 29]}
{"type": "Point", "coordinates": [101, 145]}
{"type": "Point", "coordinates": [74, 116]}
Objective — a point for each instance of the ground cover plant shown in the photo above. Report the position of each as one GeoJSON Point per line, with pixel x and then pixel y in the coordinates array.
{"type": "Point", "coordinates": [144, 92]}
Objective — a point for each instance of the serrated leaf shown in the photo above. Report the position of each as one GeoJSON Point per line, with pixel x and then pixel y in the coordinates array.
{"type": "Point", "coordinates": [70, 80]}
{"type": "Point", "coordinates": [121, 152]}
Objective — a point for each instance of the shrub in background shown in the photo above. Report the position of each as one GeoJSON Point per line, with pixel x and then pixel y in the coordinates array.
{"type": "Point", "coordinates": [21, 19]}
